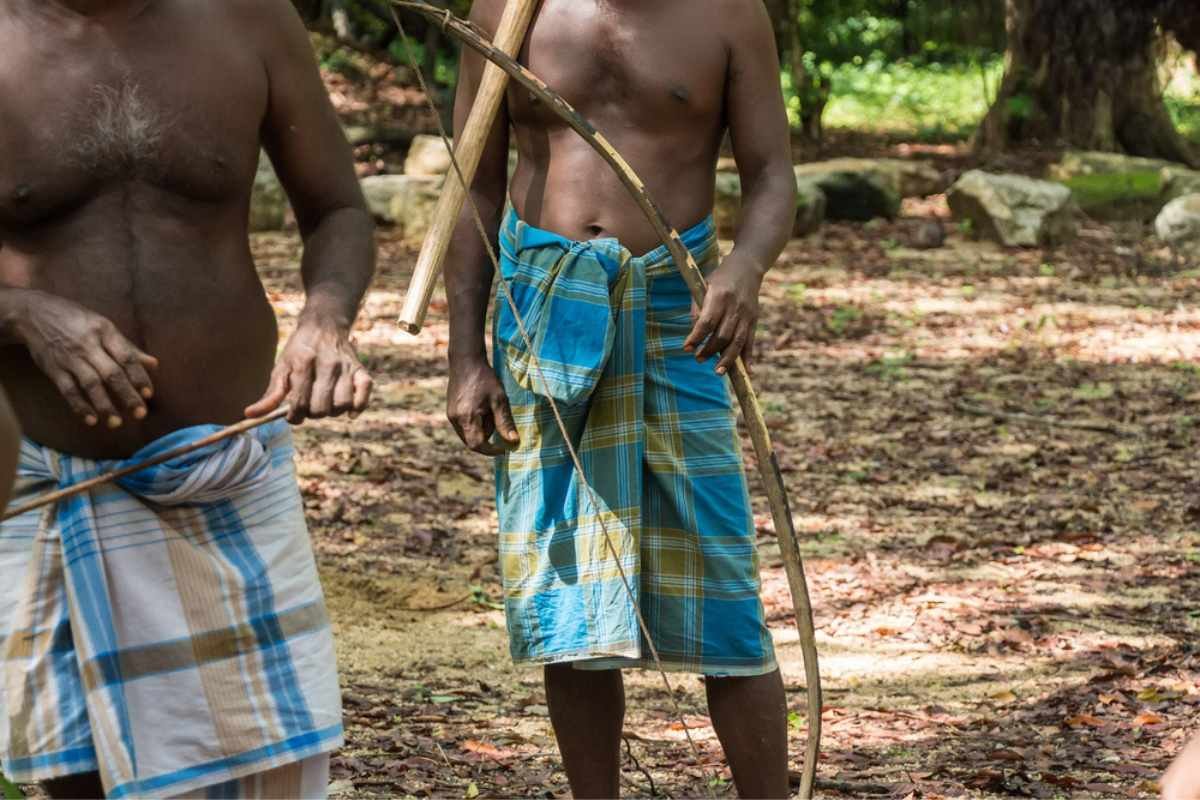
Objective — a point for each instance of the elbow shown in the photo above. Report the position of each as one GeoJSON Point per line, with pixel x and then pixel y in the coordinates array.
{"type": "Point", "coordinates": [351, 217]}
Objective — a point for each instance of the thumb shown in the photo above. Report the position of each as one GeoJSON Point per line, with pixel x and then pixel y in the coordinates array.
{"type": "Point", "coordinates": [502, 413]}
{"type": "Point", "coordinates": [276, 392]}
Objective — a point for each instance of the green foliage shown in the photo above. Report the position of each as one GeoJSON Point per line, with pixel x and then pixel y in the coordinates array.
{"type": "Point", "coordinates": [935, 102]}
{"type": "Point", "coordinates": [10, 790]}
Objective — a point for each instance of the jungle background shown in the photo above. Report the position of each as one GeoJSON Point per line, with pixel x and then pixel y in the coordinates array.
{"type": "Point", "coordinates": [982, 370]}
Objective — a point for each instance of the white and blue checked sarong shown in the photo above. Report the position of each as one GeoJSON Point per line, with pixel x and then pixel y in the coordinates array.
{"type": "Point", "coordinates": [170, 630]}
{"type": "Point", "coordinates": [657, 435]}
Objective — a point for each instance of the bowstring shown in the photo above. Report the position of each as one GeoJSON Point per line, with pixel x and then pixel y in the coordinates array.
{"type": "Point", "coordinates": [589, 490]}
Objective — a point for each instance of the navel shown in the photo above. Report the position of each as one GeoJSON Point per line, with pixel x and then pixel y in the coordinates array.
{"type": "Point", "coordinates": [22, 194]}
{"type": "Point", "coordinates": [681, 94]}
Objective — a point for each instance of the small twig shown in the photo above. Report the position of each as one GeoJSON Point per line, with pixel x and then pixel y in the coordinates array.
{"type": "Point", "coordinates": [852, 788]}
{"type": "Point", "coordinates": [441, 607]}
{"type": "Point", "coordinates": [132, 469]}
{"type": "Point", "coordinates": [1033, 419]}
{"type": "Point", "coordinates": [443, 753]}
{"type": "Point", "coordinates": [638, 766]}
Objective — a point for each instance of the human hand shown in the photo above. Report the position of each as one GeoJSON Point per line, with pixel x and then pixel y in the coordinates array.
{"type": "Point", "coordinates": [1182, 780]}
{"type": "Point", "coordinates": [726, 323]}
{"type": "Point", "coordinates": [319, 374]}
{"type": "Point", "coordinates": [477, 406]}
{"type": "Point", "coordinates": [99, 372]}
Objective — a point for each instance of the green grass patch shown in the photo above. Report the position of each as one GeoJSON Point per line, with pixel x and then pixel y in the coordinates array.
{"type": "Point", "coordinates": [933, 102]}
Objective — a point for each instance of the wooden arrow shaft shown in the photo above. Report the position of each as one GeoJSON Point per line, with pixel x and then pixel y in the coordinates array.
{"type": "Point", "coordinates": [510, 34]}
{"type": "Point", "coordinates": [51, 498]}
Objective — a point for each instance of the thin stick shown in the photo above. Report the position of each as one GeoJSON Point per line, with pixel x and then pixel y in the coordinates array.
{"type": "Point", "coordinates": [510, 34]}
{"type": "Point", "coordinates": [162, 458]}
{"type": "Point", "coordinates": [1033, 419]}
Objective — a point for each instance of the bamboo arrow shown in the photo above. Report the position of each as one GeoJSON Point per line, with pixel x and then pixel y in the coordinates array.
{"type": "Point", "coordinates": [510, 33]}
{"type": "Point", "coordinates": [768, 464]}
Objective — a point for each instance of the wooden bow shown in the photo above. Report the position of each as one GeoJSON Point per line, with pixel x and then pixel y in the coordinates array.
{"type": "Point", "coordinates": [768, 464]}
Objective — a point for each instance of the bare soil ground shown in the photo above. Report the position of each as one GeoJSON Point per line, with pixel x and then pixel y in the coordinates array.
{"type": "Point", "coordinates": [991, 456]}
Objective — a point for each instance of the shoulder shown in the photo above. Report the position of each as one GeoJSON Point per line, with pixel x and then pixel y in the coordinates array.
{"type": "Point", "coordinates": [272, 25]}
{"type": "Point", "coordinates": [486, 14]}
{"type": "Point", "coordinates": [742, 22]}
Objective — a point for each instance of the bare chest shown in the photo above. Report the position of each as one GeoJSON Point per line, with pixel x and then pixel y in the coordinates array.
{"type": "Point", "coordinates": [183, 118]}
{"type": "Point", "coordinates": [656, 68]}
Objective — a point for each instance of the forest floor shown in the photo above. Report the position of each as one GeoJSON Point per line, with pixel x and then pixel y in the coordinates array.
{"type": "Point", "coordinates": [991, 456]}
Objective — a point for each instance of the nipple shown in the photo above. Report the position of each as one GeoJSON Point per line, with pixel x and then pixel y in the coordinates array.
{"type": "Point", "coordinates": [22, 194]}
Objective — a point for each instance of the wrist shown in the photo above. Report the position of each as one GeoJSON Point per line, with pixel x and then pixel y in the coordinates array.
{"type": "Point", "coordinates": [15, 313]}
{"type": "Point", "coordinates": [461, 360]}
{"type": "Point", "coordinates": [326, 310]}
{"type": "Point", "coordinates": [745, 266]}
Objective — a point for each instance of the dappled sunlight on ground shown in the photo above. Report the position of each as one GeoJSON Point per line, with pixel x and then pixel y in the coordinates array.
{"type": "Point", "coordinates": [991, 461]}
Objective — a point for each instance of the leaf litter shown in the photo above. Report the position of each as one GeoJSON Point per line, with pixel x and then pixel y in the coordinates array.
{"type": "Point", "coordinates": [991, 466]}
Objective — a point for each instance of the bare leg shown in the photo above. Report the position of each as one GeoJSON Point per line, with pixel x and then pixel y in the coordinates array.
{"type": "Point", "coordinates": [85, 786]}
{"type": "Point", "coordinates": [587, 710]}
{"type": "Point", "coordinates": [750, 717]}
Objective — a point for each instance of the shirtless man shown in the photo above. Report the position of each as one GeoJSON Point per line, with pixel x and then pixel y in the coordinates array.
{"type": "Point", "coordinates": [167, 635]}
{"type": "Point", "coordinates": [665, 81]}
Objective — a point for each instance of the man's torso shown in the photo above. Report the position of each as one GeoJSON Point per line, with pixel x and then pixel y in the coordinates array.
{"type": "Point", "coordinates": [126, 158]}
{"type": "Point", "coordinates": [652, 78]}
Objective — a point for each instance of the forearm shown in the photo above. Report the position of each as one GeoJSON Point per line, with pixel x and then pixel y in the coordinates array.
{"type": "Point", "coordinates": [14, 310]}
{"type": "Point", "coordinates": [338, 265]}
{"type": "Point", "coordinates": [768, 216]}
{"type": "Point", "coordinates": [469, 276]}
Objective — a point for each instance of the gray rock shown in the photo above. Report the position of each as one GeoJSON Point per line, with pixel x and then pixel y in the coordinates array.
{"type": "Point", "coordinates": [1116, 186]}
{"type": "Point", "coordinates": [811, 208]}
{"type": "Point", "coordinates": [1179, 224]}
{"type": "Point", "coordinates": [853, 194]}
{"type": "Point", "coordinates": [1086, 162]}
{"type": "Point", "coordinates": [427, 157]}
{"type": "Point", "coordinates": [1180, 182]}
{"type": "Point", "coordinates": [268, 201]}
{"type": "Point", "coordinates": [727, 206]}
{"type": "Point", "coordinates": [1013, 210]}
{"type": "Point", "coordinates": [926, 234]}
{"type": "Point", "coordinates": [907, 178]}
{"type": "Point", "coordinates": [407, 201]}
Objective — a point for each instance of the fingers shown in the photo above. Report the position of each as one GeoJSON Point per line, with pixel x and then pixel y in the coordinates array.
{"type": "Point", "coordinates": [731, 351]}
{"type": "Point", "coordinates": [476, 425]}
{"type": "Point", "coordinates": [328, 375]}
{"type": "Point", "coordinates": [705, 325]}
{"type": "Point", "coordinates": [750, 353]}
{"type": "Point", "coordinates": [133, 361]}
{"type": "Point", "coordinates": [299, 396]}
{"type": "Point", "coordinates": [362, 383]}
{"type": "Point", "coordinates": [277, 390]}
{"type": "Point", "coordinates": [719, 342]}
{"type": "Point", "coordinates": [502, 414]}
{"type": "Point", "coordinates": [92, 384]}
{"type": "Point", "coordinates": [69, 389]}
{"type": "Point", "coordinates": [473, 429]}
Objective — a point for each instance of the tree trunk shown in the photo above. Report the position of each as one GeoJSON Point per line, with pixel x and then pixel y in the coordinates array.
{"type": "Point", "coordinates": [1083, 73]}
{"type": "Point", "coordinates": [811, 91]}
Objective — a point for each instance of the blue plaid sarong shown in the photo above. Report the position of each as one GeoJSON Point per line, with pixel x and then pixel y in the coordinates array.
{"type": "Point", "coordinates": [169, 631]}
{"type": "Point", "coordinates": [657, 435]}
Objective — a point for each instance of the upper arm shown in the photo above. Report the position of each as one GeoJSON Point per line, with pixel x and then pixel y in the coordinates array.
{"type": "Point", "coordinates": [758, 122]}
{"type": "Point", "coordinates": [301, 131]}
{"type": "Point", "coordinates": [492, 177]}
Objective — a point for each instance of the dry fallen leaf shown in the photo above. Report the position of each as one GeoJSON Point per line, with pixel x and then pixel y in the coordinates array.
{"type": "Point", "coordinates": [1148, 718]}
{"type": "Point", "coordinates": [1084, 720]}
